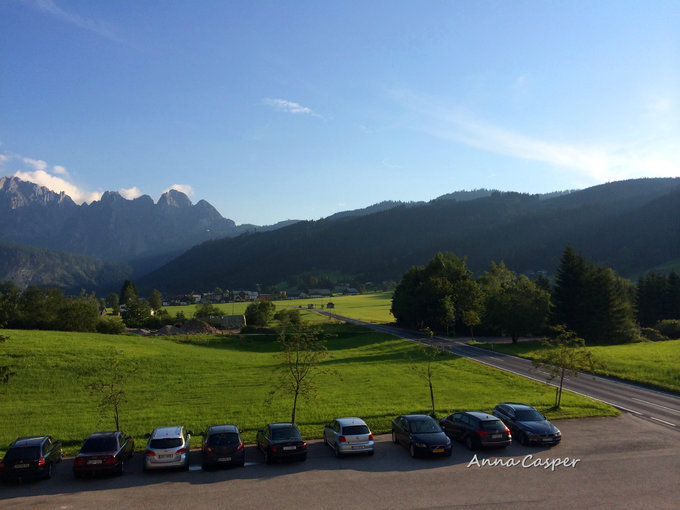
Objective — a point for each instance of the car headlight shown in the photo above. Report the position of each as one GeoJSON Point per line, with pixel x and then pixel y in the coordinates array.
{"type": "Point", "coordinates": [557, 432]}
{"type": "Point", "coordinates": [420, 445]}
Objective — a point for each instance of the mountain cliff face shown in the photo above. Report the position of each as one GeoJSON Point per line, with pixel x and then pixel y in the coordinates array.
{"type": "Point", "coordinates": [112, 228]}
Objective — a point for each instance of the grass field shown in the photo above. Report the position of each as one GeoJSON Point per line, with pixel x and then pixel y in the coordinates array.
{"type": "Point", "coordinates": [201, 380]}
{"type": "Point", "coordinates": [653, 364]}
{"type": "Point", "coordinates": [369, 307]}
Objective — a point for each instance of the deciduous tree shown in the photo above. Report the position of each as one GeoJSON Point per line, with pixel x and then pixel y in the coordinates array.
{"type": "Point", "coordinates": [565, 355]}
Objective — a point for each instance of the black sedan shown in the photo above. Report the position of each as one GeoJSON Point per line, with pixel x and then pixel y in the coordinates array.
{"type": "Point", "coordinates": [223, 446]}
{"type": "Point", "coordinates": [31, 457]}
{"type": "Point", "coordinates": [104, 452]}
{"type": "Point", "coordinates": [281, 441]}
{"type": "Point", "coordinates": [421, 434]}
{"type": "Point", "coordinates": [476, 429]}
{"type": "Point", "coordinates": [527, 424]}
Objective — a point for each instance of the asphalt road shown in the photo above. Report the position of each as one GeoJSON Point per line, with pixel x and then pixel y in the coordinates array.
{"type": "Point", "coordinates": [656, 406]}
{"type": "Point", "coordinates": [621, 462]}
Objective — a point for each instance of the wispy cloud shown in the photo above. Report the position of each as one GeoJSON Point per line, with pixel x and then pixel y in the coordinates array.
{"type": "Point", "coordinates": [653, 157]}
{"type": "Point", "coordinates": [282, 105]}
{"type": "Point", "coordinates": [95, 26]}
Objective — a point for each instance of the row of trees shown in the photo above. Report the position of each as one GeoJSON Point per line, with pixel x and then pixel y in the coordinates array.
{"type": "Point", "coordinates": [443, 295]}
{"type": "Point", "coordinates": [590, 300]}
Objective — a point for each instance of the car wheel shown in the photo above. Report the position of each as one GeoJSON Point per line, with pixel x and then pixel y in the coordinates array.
{"type": "Point", "coordinates": [303, 458]}
{"type": "Point", "coordinates": [242, 463]}
{"type": "Point", "coordinates": [121, 468]}
{"type": "Point", "coordinates": [61, 456]}
{"type": "Point", "coordinates": [336, 451]}
{"type": "Point", "coordinates": [412, 450]}
{"type": "Point", "coordinates": [394, 437]}
{"type": "Point", "coordinates": [523, 440]}
{"type": "Point", "coordinates": [267, 457]}
{"type": "Point", "coordinates": [48, 471]}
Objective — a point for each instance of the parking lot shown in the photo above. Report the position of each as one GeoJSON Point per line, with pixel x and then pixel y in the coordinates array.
{"type": "Point", "coordinates": [622, 462]}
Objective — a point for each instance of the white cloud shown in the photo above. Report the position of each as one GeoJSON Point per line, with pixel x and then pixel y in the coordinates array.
{"type": "Point", "coordinates": [184, 188]}
{"type": "Point", "coordinates": [283, 105]}
{"type": "Point", "coordinates": [130, 193]}
{"type": "Point", "coordinates": [50, 7]}
{"type": "Point", "coordinates": [36, 164]}
{"type": "Point", "coordinates": [59, 170]}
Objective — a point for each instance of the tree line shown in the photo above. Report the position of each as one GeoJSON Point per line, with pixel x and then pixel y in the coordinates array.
{"type": "Point", "coordinates": [590, 300]}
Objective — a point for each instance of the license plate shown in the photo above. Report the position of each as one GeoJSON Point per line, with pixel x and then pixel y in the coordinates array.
{"type": "Point", "coordinates": [496, 436]}
{"type": "Point", "coordinates": [288, 448]}
{"type": "Point", "coordinates": [357, 447]}
{"type": "Point", "coordinates": [94, 461]}
{"type": "Point", "coordinates": [547, 439]}
{"type": "Point", "coordinates": [166, 456]}
{"type": "Point", "coordinates": [20, 466]}
{"type": "Point", "coordinates": [224, 459]}
{"type": "Point", "coordinates": [438, 450]}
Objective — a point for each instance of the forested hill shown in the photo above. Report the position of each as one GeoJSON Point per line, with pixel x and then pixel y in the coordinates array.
{"type": "Point", "coordinates": [630, 226]}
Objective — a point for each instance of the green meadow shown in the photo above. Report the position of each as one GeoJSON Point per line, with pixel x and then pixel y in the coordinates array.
{"type": "Point", "coordinates": [201, 380]}
{"type": "Point", "coordinates": [653, 364]}
{"type": "Point", "coordinates": [373, 307]}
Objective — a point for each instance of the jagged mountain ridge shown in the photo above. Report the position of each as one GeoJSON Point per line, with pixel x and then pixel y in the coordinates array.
{"type": "Point", "coordinates": [112, 228]}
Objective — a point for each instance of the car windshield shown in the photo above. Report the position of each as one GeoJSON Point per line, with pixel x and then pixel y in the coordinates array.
{"type": "Point", "coordinates": [424, 426]}
{"type": "Point", "coordinates": [492, 426]}
{"type": "Point", "coordinates": [224, 439]}
{"type": "Point", "coordinates": [528, 415]}
{"type": "Point", "coordinates": [166, 442]}
{"type": "Point", "coordinates": [355, 430]}
{"type": "Point", "coordinates": [28, 452]}
{"type": "Point", "coordinates": [99, 444]}
{"type": "Point", "coordinates": [283, 433]}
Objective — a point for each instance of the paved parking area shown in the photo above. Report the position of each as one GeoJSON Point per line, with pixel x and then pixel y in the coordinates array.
{"type": "Point", "coordinates": [622, 462]}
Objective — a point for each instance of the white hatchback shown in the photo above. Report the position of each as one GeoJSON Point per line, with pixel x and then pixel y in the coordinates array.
{"type": "Point", "coordinates": [348, 436]}
{"type": "Point", "coordinates": [168, 447]}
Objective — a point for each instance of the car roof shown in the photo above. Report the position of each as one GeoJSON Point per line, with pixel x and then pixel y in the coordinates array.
{"type": "Point", "coordinates": [167, 432]}
{"type": "Point", "coordinates": [350, 421]}
{"type": "Point", "coordinates": [104, 434]}
{"type": "Point", "coordinates": [416, 416]}
{"type": "Point", "coordinates": [217, 429]}
{"type": "Point", "coordinates": [281, 425]}
{"type": "Point", "coordinates": [481, 415]}
{"type": "Point", "coordinates": [28, 441]}
{"type": "Point", "coordinates": [516, 405]}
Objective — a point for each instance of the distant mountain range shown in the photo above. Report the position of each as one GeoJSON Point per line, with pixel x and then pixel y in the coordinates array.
{"type": "Point", "coordinates": [177, 246]}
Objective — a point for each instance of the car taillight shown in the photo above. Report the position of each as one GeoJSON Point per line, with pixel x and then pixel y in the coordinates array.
{"type": "Point", "coordinates": [304, 446]}
{"type": "Point", "coordinates": [2, 465]}
{"type": "Point", "coordinates": [274, 448]}
{"type": "Point", "coordinates": [240, 447]}
{"type": "Point", "coordinates": [41, 461]}
{"type": "Point", "coordinates": [342, 439]}
{"type": "Point", "coordinates": [481, 432]}
{"type": "Point", "coordinates": [208, 449]}
{"type": "Point", "coordinates": [182, 450]}
{"type": "Point", "coordinates": [149, 453]}
{"type": "Point", "coordinates": [370, 437]}
{"type": "Point", "coordinates": [79, 461]}
{"type": "Point", "coordinates": [110, 460]}
{"type": "Point", "coordinates": [507, 431]}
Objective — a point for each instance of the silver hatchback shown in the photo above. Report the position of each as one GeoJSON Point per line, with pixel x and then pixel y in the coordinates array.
{"type": "Point", "coordinates": [168, 447]}
{"type": "Point", "coordinates": [348, 436]}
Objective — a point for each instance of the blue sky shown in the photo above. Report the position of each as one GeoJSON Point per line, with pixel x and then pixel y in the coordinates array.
{"type": "Point", "coordinates": [299, 109]}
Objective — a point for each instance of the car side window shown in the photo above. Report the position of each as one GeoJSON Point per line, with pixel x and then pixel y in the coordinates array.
{"type": "Point", "coordinates": [47, 445]}
{"type": "Point", "coordinates": [336, 427]}
{"type": "Point", "coordinates": [456, 416]}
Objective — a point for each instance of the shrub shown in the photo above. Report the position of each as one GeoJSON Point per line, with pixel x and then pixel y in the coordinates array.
{"type": "Point", "coordinates": [669, 328]}
{"type": "Point", "coordinates": [111, 325]}
{"type": "Point", "coordinates": [652, 335]}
